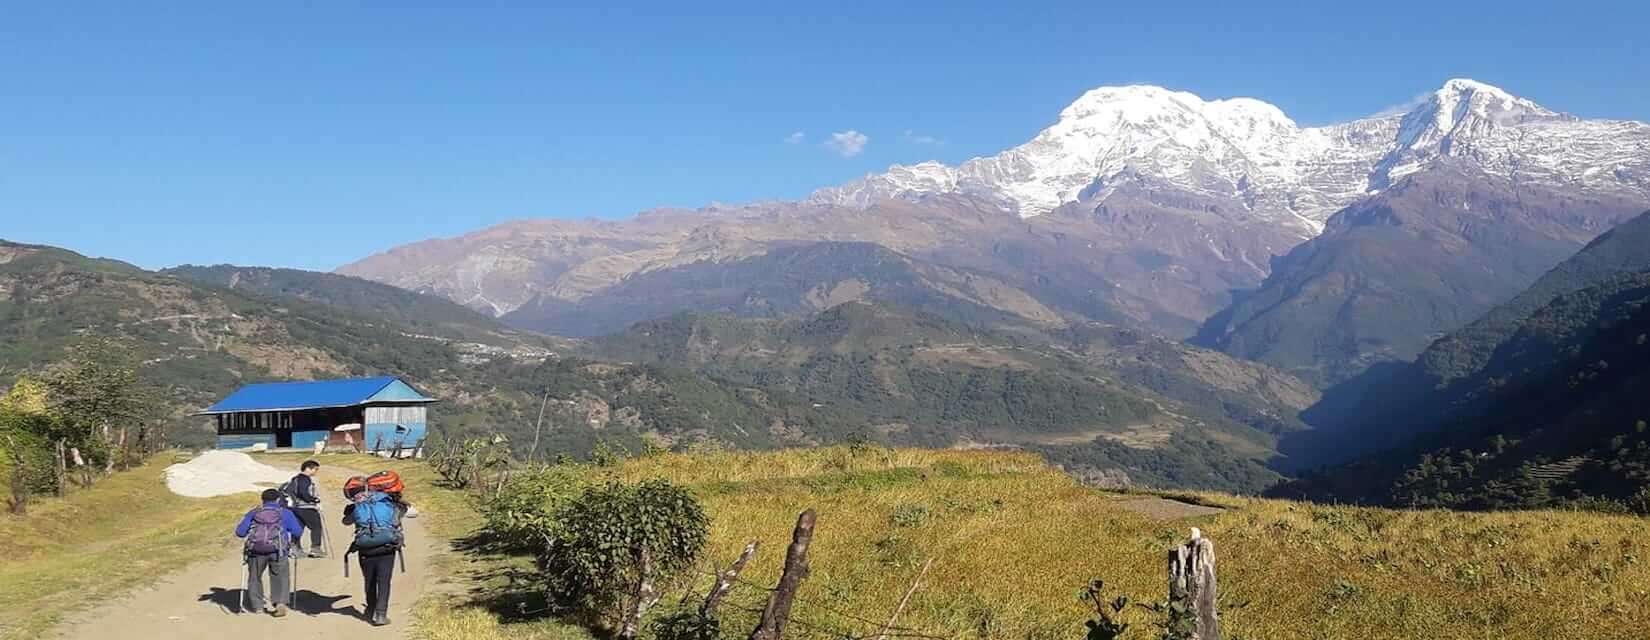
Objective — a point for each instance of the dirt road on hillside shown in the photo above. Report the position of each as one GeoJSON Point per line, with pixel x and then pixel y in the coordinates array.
{"type": "Point", "coordinates": [202, 601]}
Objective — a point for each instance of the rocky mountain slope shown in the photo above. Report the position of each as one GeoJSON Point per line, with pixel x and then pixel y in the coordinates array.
{"type": "Point", "coordinates": [426, 314]}
{"type": "Point", "coordinates": [1139, 206]}
{"type": "Point", "coordinates": [1459, 374]}
{"type": "Point", "coordinates": [1398, 270]}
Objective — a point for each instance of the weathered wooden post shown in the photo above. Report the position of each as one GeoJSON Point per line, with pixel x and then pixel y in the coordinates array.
{"type": "Point", "coordinates": [1192, 587]}
{"type": "Point", "coordinates": [778, 611]}
{"type": "Point", "coordinates": [62, 468]}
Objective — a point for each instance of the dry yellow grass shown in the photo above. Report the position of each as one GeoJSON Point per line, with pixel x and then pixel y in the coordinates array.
{"type": "Point", "coordinates": [1013, 541]}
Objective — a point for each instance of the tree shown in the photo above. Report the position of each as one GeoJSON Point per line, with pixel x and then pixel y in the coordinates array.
{"type": "Point", "coordinates": [97, 394]}
{"type": "Point", "coordinates": [618, 542]}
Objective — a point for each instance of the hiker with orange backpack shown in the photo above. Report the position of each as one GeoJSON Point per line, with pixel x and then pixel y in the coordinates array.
{"type": "Point", "coordinates": [375, 510]}
{"type": "Point", "coordinates": [271, 532]}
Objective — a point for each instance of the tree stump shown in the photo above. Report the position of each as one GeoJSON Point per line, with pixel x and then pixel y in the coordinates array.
{"type": "Point", "coordinates": [1192, 587]}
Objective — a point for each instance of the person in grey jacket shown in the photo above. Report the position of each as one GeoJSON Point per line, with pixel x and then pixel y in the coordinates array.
{"type": "Point", "coordinates": [305, 499]}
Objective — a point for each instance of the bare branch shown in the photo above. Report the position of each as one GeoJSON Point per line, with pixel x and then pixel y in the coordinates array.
{"type": "Point", "coordinates": [883, 633]}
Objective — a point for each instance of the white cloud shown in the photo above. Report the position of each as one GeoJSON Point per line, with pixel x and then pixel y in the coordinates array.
{"type": "Point", "coordinates": [848, 143]}
{"type": "Point", "coordinates": [795, 138]}
{"type": "Point", "coordinates": [1403, 107]}
{"type": "Point", "coordinates": [912, 137]}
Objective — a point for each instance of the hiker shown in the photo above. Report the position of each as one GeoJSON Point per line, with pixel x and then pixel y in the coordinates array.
{"type": "Point", "coordinates": [271, 532]}
{"type": "Point", "coordinates": [304, 498]}
{"type": "Point", "coordinates": [376, 516]}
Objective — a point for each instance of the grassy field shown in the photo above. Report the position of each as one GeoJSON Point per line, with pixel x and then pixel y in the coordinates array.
{"type": "Point", "coordinates": [100, 542]}
{"type": "Point", "coordinates": [1013, 541]}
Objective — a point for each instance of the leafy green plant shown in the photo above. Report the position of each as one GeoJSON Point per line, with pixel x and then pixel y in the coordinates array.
{"type": "Point", "coordinates": [526, 514]}
{"type": "Point", "coordinates": [607, 454]}
{"type": "Point", "coordinates": [1105, 625]}
{"type": "Point", "coordinates": [687, 625]}
{"type": "Point", "coordinates": [614, 535]}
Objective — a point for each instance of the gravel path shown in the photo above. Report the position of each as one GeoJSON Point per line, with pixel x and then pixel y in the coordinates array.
{"type": "Point", "coordinates": [201, 601]}
{"type": "Point", "coordinates": [1166, 509]}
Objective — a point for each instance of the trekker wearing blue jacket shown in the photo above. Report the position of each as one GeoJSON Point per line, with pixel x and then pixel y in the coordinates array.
{"type": "Point", "coordinates": [271, 532]}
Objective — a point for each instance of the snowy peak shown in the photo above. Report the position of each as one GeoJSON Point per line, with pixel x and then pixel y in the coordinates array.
{"type": "Point", "coordinates": [1252, 156]}
{"type": "Point", "coordinates": [1466, 107]}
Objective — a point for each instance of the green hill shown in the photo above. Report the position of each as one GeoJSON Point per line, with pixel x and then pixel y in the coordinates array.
{"type": "Point", "coordinates": [853, 372]}
{"type": "Point", "coordinates": [1108, 402]}
{"type": "Point", "coordinates": [1566, 423]}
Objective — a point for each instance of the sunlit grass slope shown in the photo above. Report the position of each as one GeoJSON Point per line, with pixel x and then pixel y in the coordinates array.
{"type": "Point", "coordinates": [1013, 541]}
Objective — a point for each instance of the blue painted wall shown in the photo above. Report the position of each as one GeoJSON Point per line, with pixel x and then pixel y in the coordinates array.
{"type": "Point", "coordinates": [242, 441]}
{"type": "Point", "coordinates": [307, 439]}
{"type": "Point", "coordinates": [408, 435]}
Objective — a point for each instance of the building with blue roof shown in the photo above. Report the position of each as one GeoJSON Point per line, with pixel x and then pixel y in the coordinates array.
{"type": "Point", "coordinates": [381, 413]}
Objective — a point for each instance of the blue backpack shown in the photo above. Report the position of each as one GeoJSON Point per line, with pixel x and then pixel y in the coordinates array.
{"type": "Point", "coordinates": [377, 522]}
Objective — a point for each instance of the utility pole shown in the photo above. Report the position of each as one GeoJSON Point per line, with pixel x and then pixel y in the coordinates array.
{"type": "Point", "coordinates": [538, 428]}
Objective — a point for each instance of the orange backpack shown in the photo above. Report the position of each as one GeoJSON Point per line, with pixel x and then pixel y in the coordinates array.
{"type": "Point", "coordinates": [382, 482]}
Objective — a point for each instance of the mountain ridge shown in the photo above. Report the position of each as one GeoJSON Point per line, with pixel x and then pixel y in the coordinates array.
{"type": "Point", "coordinates": [1179, 219]}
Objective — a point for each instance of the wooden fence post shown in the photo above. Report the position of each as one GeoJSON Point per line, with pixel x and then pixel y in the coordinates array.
{"type": "Point", "coordinates": [778, 611]}
{"type": "Point", "coordinates": [1192, 586]}
{"type": "Point", "coordinates": [62, 468]}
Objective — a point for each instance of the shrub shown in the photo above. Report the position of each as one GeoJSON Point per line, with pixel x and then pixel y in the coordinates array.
{"type": "Point", "coordinates": [687, 625]}
{"type": "Point", "coordinates": [595, 559]}
{"type": "Point", "coordinates": [526, 515]}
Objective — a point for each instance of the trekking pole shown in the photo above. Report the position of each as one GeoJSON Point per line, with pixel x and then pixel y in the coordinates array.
{"type": "Point", "coordinates": [326, 531]}
{"type": "Point", "coordinates": [246, 584]}
{"type": "Point", "coordinates": [292, 589]}
{"type": "Point", "coordinates": [402, 555]}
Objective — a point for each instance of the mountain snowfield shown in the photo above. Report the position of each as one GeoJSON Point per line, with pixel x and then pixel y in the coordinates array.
{"type": "Point", "coordinates": [1247, 150]}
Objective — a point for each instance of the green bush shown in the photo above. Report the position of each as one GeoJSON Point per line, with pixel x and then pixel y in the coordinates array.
{"type": "Point", "coordinates": [687, 625]}
{"type": "Point", "coordinates": [526, 515]}
{"type": "Point", "coordinates": [596, 557]}
{"type": "Point", "coordinates": [23, 437]}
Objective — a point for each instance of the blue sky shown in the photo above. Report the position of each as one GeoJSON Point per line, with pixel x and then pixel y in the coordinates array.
{"type": "Point", "coordinates": [312, 134]}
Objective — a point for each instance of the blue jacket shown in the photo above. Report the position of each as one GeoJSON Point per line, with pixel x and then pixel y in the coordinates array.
{"type": "Point", "coordinates": [289, 522]}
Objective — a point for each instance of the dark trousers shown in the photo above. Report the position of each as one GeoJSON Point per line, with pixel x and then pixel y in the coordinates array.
{"type": "Point", "coordinates": [255, 567]}
{"type": "Point", "coordinates": [312, 521]}
{"type": "Point", "coordinates": [377, 571]}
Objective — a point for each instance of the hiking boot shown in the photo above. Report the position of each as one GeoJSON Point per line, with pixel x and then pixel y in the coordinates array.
{"type": "Point", "coordinates": [279, 612]}
{"type": "Point", "coordinates": [380, 619]}
{"type": "Point", "coordinates": [317, 554]}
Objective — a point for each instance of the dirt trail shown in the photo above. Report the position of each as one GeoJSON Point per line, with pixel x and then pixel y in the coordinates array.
{"type": "Point", "coordinates": [202, 600]}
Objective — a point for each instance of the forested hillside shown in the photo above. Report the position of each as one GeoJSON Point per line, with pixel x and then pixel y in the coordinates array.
{"type": "Point", "coordinates": [1110, 402]}
{"type": "Point", "coordinates": [1562, 421]}
{"type": "Point", "coordinates": [1458, 373]}
{"type": "Point", "coordinates": [1116, 405]}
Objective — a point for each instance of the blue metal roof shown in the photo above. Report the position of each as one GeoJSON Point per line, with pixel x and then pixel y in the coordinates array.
{"type": "Point", "coordinates": [321, 394]}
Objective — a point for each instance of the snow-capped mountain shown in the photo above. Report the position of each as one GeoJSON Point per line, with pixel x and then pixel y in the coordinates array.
{"type": "Point", "coordinates": [1140, 206]}
{"type": "Point", "coordinates": [1249, 151]}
